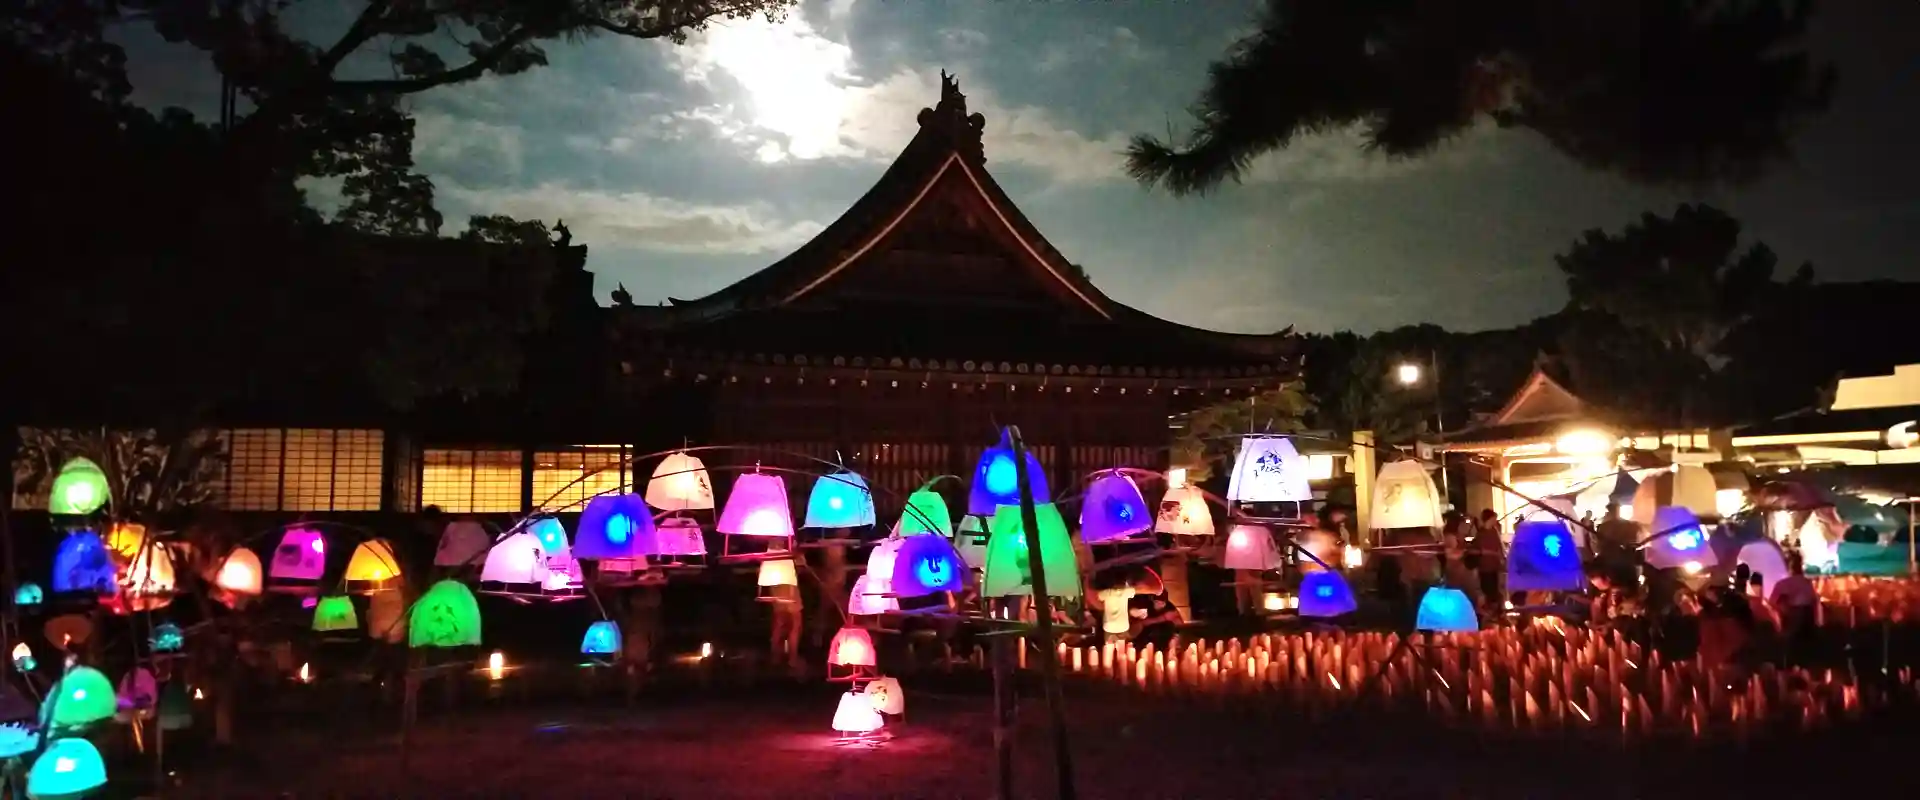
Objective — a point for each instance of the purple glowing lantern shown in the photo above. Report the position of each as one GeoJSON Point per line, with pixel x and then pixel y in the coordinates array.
{"type": "Point", "coordinates": [613, 527]}
{"type": "Point", "coordinates": [299, 562]}
{"type": "Point", "coordinates": [1114, 509]}
{"type": "Point", "coordinates": [757, 506]}
{"type": "Point", "coordinates": [996, 481]}
{"type": "Point", "coordinates": [924, 565]}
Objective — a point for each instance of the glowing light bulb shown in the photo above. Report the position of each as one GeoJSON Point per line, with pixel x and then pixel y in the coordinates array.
{"type": "Point", "coordinates": [1354, 557]}
{"type": "Point", "coordinates": [1692, 567]}
{"type": "Point", "coordinates": [199, 695]}
{"type": "Point", "coordinates": [306, 673]}
{"type": "Point", "coordinates": [835, 503]}
{"type": "Point", "coordinates": [706, 649]}
{"type": "Point", "coordinates": [497, 665]}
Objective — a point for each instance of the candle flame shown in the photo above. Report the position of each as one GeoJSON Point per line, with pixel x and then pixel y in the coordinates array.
{"type": "Point", "coordinates": [497, 665]}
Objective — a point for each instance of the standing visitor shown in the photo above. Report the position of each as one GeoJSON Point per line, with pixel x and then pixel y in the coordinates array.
{"type": "Point", "coordinates": [1155, 619]}
{"type": "Point", "coordinates": [789, 615]}
{"type": "Point", "coordinates": [1798, 606]}
{"type": "Point", "coordinates": [1113, 593]}
{"type": "Point", "coordinates": [1492, 554]}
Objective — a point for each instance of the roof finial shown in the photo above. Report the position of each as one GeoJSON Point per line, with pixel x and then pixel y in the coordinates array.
{"type": "Point", "coordinates": [950, 88]}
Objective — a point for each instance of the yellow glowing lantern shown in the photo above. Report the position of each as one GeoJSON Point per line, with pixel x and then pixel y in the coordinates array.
{"type": "Point", "coordinates": [150, 573]}
{"type": "Point", "coordinates": [373, 566]}
{"type": "Point", "coordinates": [1404, 497]}
{"type": "Point", "coordinates": [778, 572]}
{"type": "Point", "coordinates": [125, 538]}
{"type": "Point", "coordinates": [241, 573]}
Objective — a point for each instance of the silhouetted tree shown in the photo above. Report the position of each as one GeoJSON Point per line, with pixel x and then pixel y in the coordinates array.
{"type": "Point", "coordinates": [1206, 442]}
{"type": "Point", "coordinates": [1682, 284]}
{"type": "Point", "coordinates": [1657, 91]}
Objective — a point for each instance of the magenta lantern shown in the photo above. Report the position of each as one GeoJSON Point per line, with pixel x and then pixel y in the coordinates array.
{"type": "Point", "coordinates": [614, 527]}
{"type": "Point", "coordinates": [301, 556]}
{"type": "Point", "coordinates": [675, 536]}
{"type": "Point", "coordinates": [1251, 547]}
{"type": "Point", "coordinates": [1114, 509]}
{"type": "Point", "coordinates": [757, 506]}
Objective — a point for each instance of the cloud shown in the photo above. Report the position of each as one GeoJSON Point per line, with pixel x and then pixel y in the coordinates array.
{"type": "Point", "coordinates": [798, 98]}
{"type": "Point", "coordinates": [1343, 156]}
{"type": "Point", "coordinates": [446, 139]}
{"type": "Point", "coordinates": [643, 221]}
{"type": "Point", "coordinates": [965, 40]}
{"type": "Point", "coordinates": [1118, 44]}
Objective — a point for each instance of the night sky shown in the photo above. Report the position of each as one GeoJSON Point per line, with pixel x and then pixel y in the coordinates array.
{"type": "Point", "coordinates": [685, 168]}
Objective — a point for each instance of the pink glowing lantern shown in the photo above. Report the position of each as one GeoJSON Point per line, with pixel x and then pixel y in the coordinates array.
{"type": "Point", "coordinates": [1113, 509]}
{"type": "Point", "coordinates": [856, 716]}
{"type": "Point", "coordinates": [851, 647]}
{"type": "Point", "coordinates": [138, 690]}
{"type": "Point", "coordinates": [613, 527]}
{"type": "Point", "coordinates": [864, 601]}
{"type": "Point", "coordinates": [1251, 547]}
{"type": "Point", "coordinates": [757, 507]}
{"type": "Point", "coordinates": [462, 544]}
{"type": "Point", "coordinates": [675, 536]}
{"type": "Point", "coordinates": [516, 560]}
{"type": "Point", "coordinates": [299, 562]}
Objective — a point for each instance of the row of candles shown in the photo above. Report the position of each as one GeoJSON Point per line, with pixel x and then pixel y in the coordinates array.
{"type": "Point", "coordinates": [1531, 678]}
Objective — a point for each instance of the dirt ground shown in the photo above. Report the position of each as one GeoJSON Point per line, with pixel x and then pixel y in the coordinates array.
{"type": "Point", "coordinates": [774, 742]}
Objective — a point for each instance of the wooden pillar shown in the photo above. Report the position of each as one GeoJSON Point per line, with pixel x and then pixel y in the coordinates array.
{"type": "Point", "coordinates": [1362, 465]}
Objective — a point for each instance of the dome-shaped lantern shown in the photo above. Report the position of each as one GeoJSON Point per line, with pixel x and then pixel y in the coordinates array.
{"type": "Point", "coordinates": [864, 601]}
{"type": "Point", "coordinates": [996, 481]}
{"type": "Point", "coordinates": [167, 638]}
{"type": "Point", "coordinates": [29, 595]}
{"type": "Point", "coordinates": [241, 573]}
{"type": "Point", "coordinates": [150, 578]}
{"type": "Point", "coordinates": [79, 489]}
{"type": "Point", "coordinates": [446, 616]}
{"type": "Point", "coordinates": [373, 567]}
{"type": "Point", "coordinates": [1686, 486]}
{"type": "Point", "coordinates": [680, 483]}
{"type": "Point", "coordinates": [1762, 557]}
{"type": "Point", "coordinates": [856, 716]}
{"type": "Point", "coordinates": [516, 560]}
{"type": "Point", "coordinates": [1325, 594]}
{"type": "Point", "coordinates": [83, 696]}
{"type": "Point", "coordinates": [335, 613]}
{"type": "Point", "coordinates": [463, 543]}
{"type": "Point", "coordinates": [971, 541]}
{"type": "Point", "coordinates": [614, 527]}
{"type": "Point", "coordinates": [1446, 610]}
{"type": "Point", "coordinates": [1184, 512]}
{"type": "Point", "coordinates": [1113, 509]}
{"type": "Point", "coordinates": [1251, 547]}
{"type": "Point", "coordinates": [851, 647]}
{"type": "Point", "coordinates": [1009, 571]}
{"type": "Point", "coordinates": [23, 660]}
{"type": "Point", "coordinates": [138, 690]}
{"type": "Point", "coordinates": [1404, 497]}
{"type": "Point", "coordinates": [925, 565]}
{"type": "Point", "coordinates": [1677, 541]}
{"type": "Point", "coordinates": [840, 500]}
{"type": "Point", "coordinates": [777, 572]}
{"type": "Point", "coordinates": [69, 768]}
{"type": "Point", "coordinates": [602, 639]}
{"type": "Point", "coordinates": [757, 506]}
{"type": "Point", "coordinates": [926, 512]}
{"type": "Point", "coordinates": [1544, 557]}
{"type": "Point", "coordinates": [677, 536]}
{"type": "Point", "coordinates": [298, 562]}
{"type": "Point", "coordinates": [81, 564]}
{"type": "Point", "coordinates": [1268, 469]}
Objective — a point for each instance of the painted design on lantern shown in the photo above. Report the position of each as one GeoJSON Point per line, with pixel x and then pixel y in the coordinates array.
{"type": "Point", "coordinates": [301, 556]}
{"type": "Point", "coordinates": [167, 638]}
{"type": "Point", "coordinates": [933, 572]}
{"type": "Point", "coordinates": [1552, 545]}
{"type": "Point", "coordinates": [1323, 592]}
{"type": "Point", "coordinates": [446, 616]}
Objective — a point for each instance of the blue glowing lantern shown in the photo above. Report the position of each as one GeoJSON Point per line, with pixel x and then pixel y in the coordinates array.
{"type": "Point", "coordinates": [1544, 558]}
{"type": "Point", "coordinates": [602, 639]}
{"type": "Point", "coordinates": [552, 536]}
{"type": "Point", "coordinates": [167, 638]}
{"type": "Point", "coordinates": [926, 512]}
{"type": "Point", "coordinates": [1114, 509]}
{"type": "Point", "coordinates": [925, 565]}
{"type": "Point", "coordinates": [29, 595]}
{"type": "Point", "coordinates": [996, 482]}
{"type": "Point", "coordinates": [1679, 542]}
{"type": "Point", "coordinates": [613, 526]}
{"type": "Point", "coordinates": [1325, 594]}
{"type": "Point", "coordinates": [68, 768]}
{"type": "Point", "coordinates": [840, 500]}
{"type": "Point", "coordinates": [81, 564]}
{"type": "Point", "coordinates": [1446, 610]}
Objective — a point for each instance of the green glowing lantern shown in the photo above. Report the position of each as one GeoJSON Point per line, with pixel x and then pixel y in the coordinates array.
{"type": "Point", "coordinates": [926, 512]}
{"type": "Point", "coordinates": [79, 489]}
{"type": "Point", "coordinates": [167, 638]}
{"type": "Point", "coordinates": [68, 768]}
{"type": "Point", "coordinates": [82, 697]}
{"type": "Point", "coordinates": [446, 616]}
{"type": "Point", "coordinates": [1010, 573]}
{"type": "Point", "coordinates": [335, 613]}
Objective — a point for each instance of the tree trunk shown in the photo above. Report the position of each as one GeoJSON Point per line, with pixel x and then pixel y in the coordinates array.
{"type": "Point", "coordinates": [833, 591]}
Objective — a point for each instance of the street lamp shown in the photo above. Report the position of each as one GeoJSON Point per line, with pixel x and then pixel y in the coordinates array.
{"type": "Point", "coordinates": [1409, 374]}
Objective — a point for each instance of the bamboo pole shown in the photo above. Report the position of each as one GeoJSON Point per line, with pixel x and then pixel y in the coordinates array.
{"type": "Point", "coordinates": [1043, 614]}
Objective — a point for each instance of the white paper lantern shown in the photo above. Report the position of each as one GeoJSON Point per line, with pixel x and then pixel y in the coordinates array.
{"type": "Point", "coordinates": [462, 543]}
{"type": "Point", "coordinates": [867, 600]}
{"type": "Point", "coordinates": [517, 559]}
{"type": "Point", "coordinates": [1184, 512]}
{"type": "Point", "coordinates": [1269, 470]}
{"type": "Point", "coordinates": [680, 483]}
{"type": "Point", "coordinates": [856, 715]}
{"type": "Point", "coordinates": [887, 696]}
{"type": "Point", "coordinates": [1687, 486]}
{"type": "Point", "coordinates": [1404, 497]}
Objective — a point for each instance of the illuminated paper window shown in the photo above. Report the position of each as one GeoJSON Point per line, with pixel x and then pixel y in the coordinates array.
{"type": "Point", "coordinates": [253, 469]}
{"type": "Point", "coordinates": [307, 482]}
{"type": "Point", "coordinates": [471, 481]}
{"type": "Point", "coordinates": [564, 480]}
{"type": "Point", "coordinates": [356, 470]}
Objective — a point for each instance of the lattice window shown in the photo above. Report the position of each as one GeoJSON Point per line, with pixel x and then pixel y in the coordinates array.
{"type": "Point", "coordinates": [471, 481]}
{"type": "Point", "coordinates": [564, 480]}
{"type": "Point", "coordinates": [356, 470]}
{"type": "Point", "coordinates": [253, 470]}
{"type": "Point", "coordinates": [307, 482]}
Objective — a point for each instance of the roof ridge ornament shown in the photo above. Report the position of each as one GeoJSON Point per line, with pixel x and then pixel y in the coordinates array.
{"type": "Point", "coordinates": [950, 120]}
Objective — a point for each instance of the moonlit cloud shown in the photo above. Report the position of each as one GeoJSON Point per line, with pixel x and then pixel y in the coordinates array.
{"type": "Point", "coordinates": [643, 221]}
